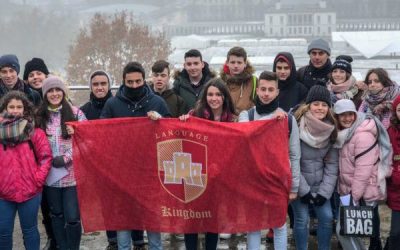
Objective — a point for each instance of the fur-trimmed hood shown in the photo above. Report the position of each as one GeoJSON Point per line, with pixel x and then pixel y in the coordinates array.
{"type": "Point", "coordinates": [244, 77]}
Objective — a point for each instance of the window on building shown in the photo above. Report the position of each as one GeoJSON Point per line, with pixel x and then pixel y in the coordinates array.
{"type": "Point", "coordinates": [318, 30]}
{"type": "Point", "coordinates": [290, 19]}
{"type": "Point", "coordinates": [270, 30]}
{"type": "Point", "coordinates": [281, 17]}
{"type": "Point", "coordinates": [300, 30]}
{"type": "Point", "coordinates": [271, 19]}
{"type": "Point", "coordinates": [329, 30]}
{"type": "Point", "coordinates": [318, 19]}
{"type": "Point", "coordinates": [329, 19]}
{"type": "Point", "coordinates": [281, 31]}
{"type": "Point", "coordinates": [309, 30]}
{"type": "Point", "coordinates": [290, 30]}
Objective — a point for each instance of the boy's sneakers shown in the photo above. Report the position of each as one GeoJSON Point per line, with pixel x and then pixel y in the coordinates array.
{"type": "Point", "coordinates": [112, 246]}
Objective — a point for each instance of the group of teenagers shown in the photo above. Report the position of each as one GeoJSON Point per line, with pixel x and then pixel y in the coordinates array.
{"type": "Point", "coordinates": [344, 139]}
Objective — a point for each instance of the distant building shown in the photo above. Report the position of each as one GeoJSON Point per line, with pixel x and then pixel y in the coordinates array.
{"type": "Point", "coordinates": [311, 19]}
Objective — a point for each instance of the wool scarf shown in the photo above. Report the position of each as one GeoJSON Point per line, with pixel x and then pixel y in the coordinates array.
{"type": "Point", "coordinates": [314, 132]}
{"type": "Point", "coordinates": [15, 129]}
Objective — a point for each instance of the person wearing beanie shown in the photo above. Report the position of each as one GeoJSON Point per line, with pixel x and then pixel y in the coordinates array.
{"type": "Point", "coordinates": [379, 96]}
{"type": "Point", "coordinates": [393, 194]}
{"type": "Point", "coordinates": [318, 167]}
{"type": "Point", "coordinates": [316, 72]}
{"type": "Point", "coordinates": [291, 91]}
{"type": "Point", "coordinates": [365, 159]}
{"type": "Point", "coordinates": [135, 99]}
{"type": "Point", "coordinates": [35, 72]}
{"type": "Point", "coordinates": [266, 108]}
{"type": "Point", "coordinates": [52, 115]}
{"type": "Point", "coordinates": [341, 84]}
{"type": "Point", "coordinates": [9, 80]}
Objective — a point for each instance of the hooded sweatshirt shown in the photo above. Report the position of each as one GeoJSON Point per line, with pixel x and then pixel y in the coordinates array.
{"type": "Point", "coordinates": [291, 91]}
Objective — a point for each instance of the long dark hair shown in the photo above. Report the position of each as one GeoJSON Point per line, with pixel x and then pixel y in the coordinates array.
{"type": "Point", "coordinates": [67, 115]}
{"type": "Point", "coordinates": [29, 112]}
{"type": "Point", "coordinates": [202, 105]}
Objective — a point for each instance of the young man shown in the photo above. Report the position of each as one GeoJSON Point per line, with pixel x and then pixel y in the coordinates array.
{"type": "Point", "coordinates": [9, 80]}
{"type": "Point", "coordinates": [34, 74]}
{"type": "Point", "coordinates": [160, 84]}
{"type": "Point", "coordinates": [190, 81]}
{"type": "Point", "coordinates": [267, 107]}
{"type": "Point", "coordinates": [291, 92]}
{"type": "Point", "coordinates": [316, 72]}
{"type": "Point", "coordinates": [237, 73]}
{"type": "Point", "coordinates": [100, 92]}
{"type": "Point", "coordinates": [135, 99]}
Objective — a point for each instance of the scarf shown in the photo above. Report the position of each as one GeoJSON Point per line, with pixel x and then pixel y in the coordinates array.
{"type": "Point", "coordinates": [262, 108]}
{"type": "Point", "coordinates": [341, 87]}
{"type": "Point", "coordinates": [387, 94]}
{"type": "Point", "coordinates": [15, 129]}
{"type": "Point", "coordinates": [20, 85]}
{"type": "Point", "coordinates": [99, 102]}
{"type": "Point", "coordinates": [315, 132]}
{"type": "Point", "coordinates": [134, 94]}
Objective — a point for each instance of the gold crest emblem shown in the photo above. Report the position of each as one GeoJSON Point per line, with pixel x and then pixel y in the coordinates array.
{"type": "Point", "coordinates": [182, 168]}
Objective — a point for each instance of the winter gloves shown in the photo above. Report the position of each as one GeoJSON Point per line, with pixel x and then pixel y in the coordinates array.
{"type": "Point", "coordinates": [318, 200]}
{"type": "Point", "coordinates": [58, 162]}
{"type": "Point", "coordinates": [307, 199]}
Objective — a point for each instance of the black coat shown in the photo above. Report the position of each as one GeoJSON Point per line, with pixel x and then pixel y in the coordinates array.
{"type": "Point", "coordinates": [92, 109]}
{"type": "Point", "coordinates": [121, 106]}
{"type": "Point", "coordinates": [291, 91]}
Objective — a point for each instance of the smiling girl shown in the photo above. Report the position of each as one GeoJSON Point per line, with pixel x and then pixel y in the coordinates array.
{"type": "Point", "coordinates": [25, 162]}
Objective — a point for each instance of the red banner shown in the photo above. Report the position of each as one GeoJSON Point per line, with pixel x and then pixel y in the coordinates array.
{"type": "Point", "coordinates": [173, 176]}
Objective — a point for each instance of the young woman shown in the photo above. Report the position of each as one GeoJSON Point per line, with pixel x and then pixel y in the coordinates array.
{"type": "Point", "coordinates": [25, 162]}
{"type": "Point", "coordinates": [380, 94]}
{"type": "Point", "coordinates": [364, 160]}
{"type": "Point", "coordinates": [54, 112]}
{"type": "Point", "coordinates": [393, 185]}
{"type": "Point", "coordinates": [215, 104]}
{"type": "Point", "coordinates": [341, 84]}
{"type": "Point", "coordinates": [318, 167]}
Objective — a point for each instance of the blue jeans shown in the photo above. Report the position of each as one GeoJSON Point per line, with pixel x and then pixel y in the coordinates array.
{"type": "Point", "coordinates": [280, 239]}
{"type": "Point", "coordinates": [125, 240]}
{"type": "Point", "coordinates": [28, 214]}
{"type": "Point", "coordinates": [301, 220]}
{"type": "Point", "coordinates": [211, 241]}
{"type": "Point", "coordinates": [65, 218]}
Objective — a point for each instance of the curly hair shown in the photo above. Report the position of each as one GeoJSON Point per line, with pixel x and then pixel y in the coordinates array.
{"type": "Point", "coordinates": [29, 111]}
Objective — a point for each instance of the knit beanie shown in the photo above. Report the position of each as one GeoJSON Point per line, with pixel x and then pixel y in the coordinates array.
{"type": "Point", "coordinates": [319, 44]}
{"type": "Point", "coordinates": [10, 61]}
{"type": "Point", "coordinates": [343, 62]}
{"type": "Point", "coordinates": [319, 93]}
{"type": "Point", "coordinates": [35, 64]}
{"type": "Point", "coordinates": [53, 82]}
{"type": "Point", "coordinates": [343, 106]}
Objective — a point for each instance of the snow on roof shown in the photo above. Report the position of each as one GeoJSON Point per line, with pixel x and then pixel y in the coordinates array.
{"type": "Point", "coordinates": [228, 42]}
{"type": "Point", "coordinates": [189, 42]}
{"type": "Point", "coordinates": [371, 43]}
{"type": "Point", "coordinates": [254, 60]}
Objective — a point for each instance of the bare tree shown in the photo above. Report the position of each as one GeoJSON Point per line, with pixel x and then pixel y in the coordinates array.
{"type": "Point", "coordinates": [111, 43]}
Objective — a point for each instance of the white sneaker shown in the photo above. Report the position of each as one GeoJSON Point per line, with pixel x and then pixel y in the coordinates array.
{"type": "Point", "coordinates": [224, 236]}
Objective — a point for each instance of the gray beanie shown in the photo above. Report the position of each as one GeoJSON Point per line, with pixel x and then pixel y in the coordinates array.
{"type": "Point", "coordinates": [319, 44]}
{"type": "Point", "coordinates": [10, 61]}
{"type": "Point", "coordinates": [319, 93]}
{"type": "Point", "coordinates": [53, 82]}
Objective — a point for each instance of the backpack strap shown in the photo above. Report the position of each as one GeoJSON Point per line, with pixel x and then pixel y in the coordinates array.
{"type": "Point", "coordinates": [253, 95]}
{"type": "Point", "coordinates": [290, 123]}
{"type": "Point", "coordinates": [251, 114]}
{"type": "Point", "coordinates": [366, 151]}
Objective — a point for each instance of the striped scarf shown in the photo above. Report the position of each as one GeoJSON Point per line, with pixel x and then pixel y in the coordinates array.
{"type": "Point", "coordinates": [15, 129]}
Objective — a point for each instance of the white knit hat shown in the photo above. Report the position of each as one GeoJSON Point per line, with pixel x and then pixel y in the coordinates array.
{"type": "Point", "coordinates": [344, 105]}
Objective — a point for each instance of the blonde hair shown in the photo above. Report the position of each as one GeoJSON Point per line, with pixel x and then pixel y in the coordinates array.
{"type": "Point", "coordinates": [304, 108]}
